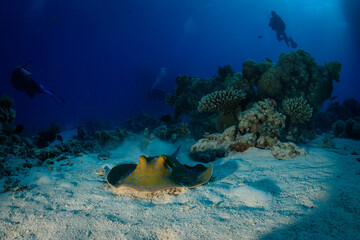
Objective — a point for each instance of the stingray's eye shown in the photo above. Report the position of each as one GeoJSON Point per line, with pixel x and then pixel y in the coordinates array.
{"type": "Point", "coordinates": [142, 160]}
{"type": "Point", "coordinates": [161, 160]}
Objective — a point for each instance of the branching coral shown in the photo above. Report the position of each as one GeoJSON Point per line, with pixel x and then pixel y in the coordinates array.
{"type": "Point", "coordinates": [298, 110]}
{"type": "Point", "coordinates": [226, 102]}
{"type": "Point", "coordinates": [221, 101]}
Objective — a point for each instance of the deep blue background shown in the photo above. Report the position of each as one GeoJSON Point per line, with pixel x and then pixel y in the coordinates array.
{"type": "Point", "coordinates": [103, 56]}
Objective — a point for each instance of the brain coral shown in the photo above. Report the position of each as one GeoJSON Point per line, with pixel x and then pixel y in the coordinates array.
{"type": "Point", "coordinates": [221, 101]}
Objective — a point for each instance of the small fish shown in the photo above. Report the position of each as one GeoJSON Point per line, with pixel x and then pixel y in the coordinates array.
{"type": "Point", "coordinates": [59, 138]}
{"type": "Point", "coordinates": [333, 98]}
{"type": "Point", "coordinates": [268, 59]}
{"type": "Point", "coordinates": [260, 36]}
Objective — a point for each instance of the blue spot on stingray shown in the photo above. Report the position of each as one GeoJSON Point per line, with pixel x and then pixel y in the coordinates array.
{"type": "Point", "coordinates": [136, 178]}
{"type": "Point", "coordinates": [165, 176]}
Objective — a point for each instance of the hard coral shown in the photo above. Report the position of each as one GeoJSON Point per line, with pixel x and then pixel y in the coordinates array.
{"type": "Point", "coordinates": [334, 69]}
{"type": "Point", "coordinates": [7, 114]}
{"type": "Point", "coordinates": [299, 112]}
{"type": "Point", "coordinates": [269, 84]}
{"type": "Point", "coordinates": [297, 109]}
{"type": "Point", "coordinates": [224, 72]}
{"type": "Point", "coordinates": [47, 135]}
{"type": "Point", "coordinates": [221, 101]}
{"type": "Point", "coordinates": [338, 128]}
{"type": "Point", "coordinates": [6, 101]}
{"type": "Point", "coordinates": [262, 118]}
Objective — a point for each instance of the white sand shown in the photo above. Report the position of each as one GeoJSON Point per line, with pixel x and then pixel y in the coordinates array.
{"type": "Point", "coordinates": [253, 196]}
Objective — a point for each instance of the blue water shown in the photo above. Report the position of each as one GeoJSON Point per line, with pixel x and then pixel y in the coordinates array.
{"type": "Point", "coordinates": [103, 57]}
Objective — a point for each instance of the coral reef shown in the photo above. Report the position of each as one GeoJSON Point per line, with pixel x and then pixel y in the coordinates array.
{"type": "Point", "coordinates": [47, 135]}
{"type": "Point", "coordinates": [225, 72]}
{"type": "Point", "coordinates": [338, 128]}
{"type": "Point", "coordinates": [7, 115]}
{"type": "Point", "coordinates": [260, 126]}
{"type": "Point", "coordinates": [144, 120]}
{"type": "Point", "coordinates": [110, 139]}
{"type": "Point", "coordinates": [264, 120]}
{"type": "Point", "coordinates": [221, 101]}
{"type": "Point", "coordinates": [185, 101]}
{"type": "Point", "coordinates": [352, 128]}
{"type": "Point", "coordinates": [298, 112]}
{"type": "Point", "coordinates": [172, 132]}
{"type": "Point", "coordinates": [350, 108]}
{"type": "Point", "coordinates": [295, 74]}
{"type": "Point", "coordinates": [297, 109]}
{"type": "Point", "coordinates": [226, 102]}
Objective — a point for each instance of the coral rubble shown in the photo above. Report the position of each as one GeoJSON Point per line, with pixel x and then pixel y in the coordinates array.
{"type": "Point", "coordinates": [287, 150]}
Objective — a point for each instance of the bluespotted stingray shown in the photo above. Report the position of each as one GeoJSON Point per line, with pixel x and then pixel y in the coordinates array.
{"type": "Point", "coordinates": [153, 174]}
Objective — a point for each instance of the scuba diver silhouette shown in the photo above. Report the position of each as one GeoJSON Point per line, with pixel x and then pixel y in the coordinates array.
{"type": "Point", "coordinates": [278, 25]}
{"type": "Point", "coordinates": [22, 80]}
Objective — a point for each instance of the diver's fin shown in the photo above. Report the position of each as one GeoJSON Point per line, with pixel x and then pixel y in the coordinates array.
{"type": "Point", "coordinates": [293, 43]}
{"type": "Point", "coordinates": [52, 94]}
{"type": "Point", "coordinates": [23, 66]}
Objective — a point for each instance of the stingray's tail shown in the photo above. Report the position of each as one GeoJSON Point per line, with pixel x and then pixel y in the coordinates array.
{"type": "Point", "coordinates": [176, 152]}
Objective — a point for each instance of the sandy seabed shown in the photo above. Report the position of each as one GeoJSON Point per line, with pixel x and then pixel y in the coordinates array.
{"type": "Point", "coordinates": [252, 196]}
